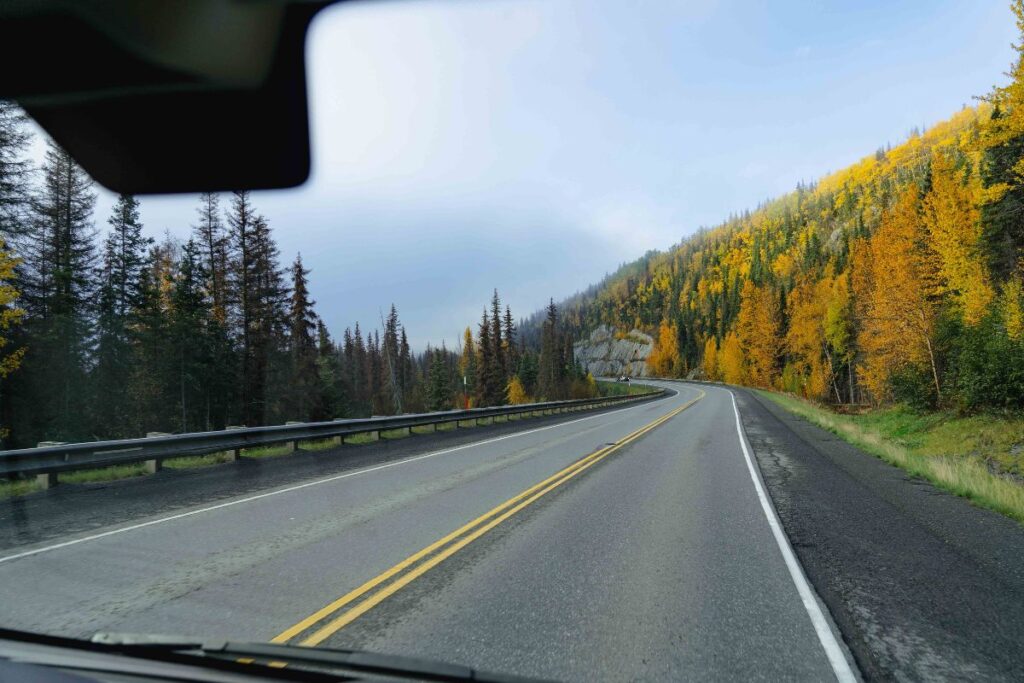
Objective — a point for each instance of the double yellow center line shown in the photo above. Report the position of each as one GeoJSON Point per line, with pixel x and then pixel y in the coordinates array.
{"type": "Point", "coordinates": [379, 588]}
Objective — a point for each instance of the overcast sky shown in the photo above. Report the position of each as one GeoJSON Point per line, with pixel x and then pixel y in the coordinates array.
{"type": "Point", "coordinates": [533, 146]}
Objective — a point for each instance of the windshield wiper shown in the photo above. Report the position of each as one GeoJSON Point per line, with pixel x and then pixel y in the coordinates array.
{"type": "Point", "coordinates": [259, 660]}
{"type": "Point", "coordinates": [316, 658]}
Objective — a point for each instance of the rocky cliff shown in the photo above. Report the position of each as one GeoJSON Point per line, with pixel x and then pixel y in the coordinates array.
{"type": "Point", "coordinates": [607, 354]}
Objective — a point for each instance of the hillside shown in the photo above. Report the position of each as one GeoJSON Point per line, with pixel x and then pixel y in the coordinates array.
{"type": "Point", "coordinates": [898, 279]}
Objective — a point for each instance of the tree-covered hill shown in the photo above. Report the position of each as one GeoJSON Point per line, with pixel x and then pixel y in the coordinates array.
{"type": "Point", "coordinates": [898, 278]}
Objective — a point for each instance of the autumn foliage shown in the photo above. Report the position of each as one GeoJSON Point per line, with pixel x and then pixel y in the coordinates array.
{"type": "Point", "coordinates": [900, 278]}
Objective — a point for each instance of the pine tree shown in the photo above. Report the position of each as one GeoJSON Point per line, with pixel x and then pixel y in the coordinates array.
{"type": "Point", "coordinates": [501, 368]}
{"type": "Point", "coordinates": [58, 296]}
{"type": "Point", "coordinates": [485, 363]}
{"type": "Point", "coordinates": [15, 176]}
{"type": "Point", "coordinates": [192, 344]}
{"type": "Point", "coordinates": [125, 260]}
{"type": "Point", "coordinates": [256, 295]}
{"type": "Point", "coordinates": [303, 385]}
{"type": "Point", "coordinates": [439, 388]}
{"type": "Point", "coordinates": [509, 342]}
{"type": "Point", "coordinates": [212, 243]}
{"type": "Point", "coordinates": [551, 370]}
{"type": "Point", "coordinates": [329, 371]}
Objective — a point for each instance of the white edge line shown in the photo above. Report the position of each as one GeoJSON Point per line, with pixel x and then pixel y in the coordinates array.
{"type": "Point", "coordinates": [346, 475]}
{"type": "Point", "coordinates": [833, 651]}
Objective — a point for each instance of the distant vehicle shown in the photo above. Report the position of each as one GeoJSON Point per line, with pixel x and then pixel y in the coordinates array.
{"type": "Point", "coordinates": [624, 378]}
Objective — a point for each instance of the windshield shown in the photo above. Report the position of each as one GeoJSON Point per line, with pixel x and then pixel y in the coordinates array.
{"type": "Point", "coordinates": [606, 341]}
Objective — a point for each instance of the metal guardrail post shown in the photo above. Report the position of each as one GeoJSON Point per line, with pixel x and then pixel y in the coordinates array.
{"type": "Point", "coordinates": [154, 466]}
{"type": "Point", "coordinates": [236, 453]}
{"type": "Point", "coordinates": [48, 480]}
{"type": "Point", "coordinates": [293, 445]}
{"type": "Point", "coordinates": [339, 440]}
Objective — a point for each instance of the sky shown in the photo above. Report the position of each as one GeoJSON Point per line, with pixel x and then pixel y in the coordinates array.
{"type": "Point", "coordinates": [534, 145]}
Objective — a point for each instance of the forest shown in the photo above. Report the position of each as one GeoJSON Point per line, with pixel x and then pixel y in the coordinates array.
{"type": "Point", "coordinates": [898, 279]}
{"type": "Point", "coordinates": [111, 334]}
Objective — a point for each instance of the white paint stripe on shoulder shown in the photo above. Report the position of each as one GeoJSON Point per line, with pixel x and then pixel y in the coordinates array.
{"type": "Point", "coordinates": [297, 487]}
{"type": "Point", "coordinates": [833, 651]}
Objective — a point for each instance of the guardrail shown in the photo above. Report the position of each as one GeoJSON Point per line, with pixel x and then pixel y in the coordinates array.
{"type": "Point", "coordinates": [50, 458]}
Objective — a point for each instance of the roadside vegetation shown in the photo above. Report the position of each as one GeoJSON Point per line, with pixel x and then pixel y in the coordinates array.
{"type": "Point", "coordinates": [622, 388]}
{"type": "Point", "coordinates": [978, 457]}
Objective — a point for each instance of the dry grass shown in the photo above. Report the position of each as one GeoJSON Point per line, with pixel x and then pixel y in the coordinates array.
{"type": "Point", "coordinates": [973, 457]}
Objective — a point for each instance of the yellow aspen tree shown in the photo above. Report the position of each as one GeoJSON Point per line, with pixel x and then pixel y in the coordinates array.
{"type": "Point", "coordinates": [1011, 305]}
{"type": "Point", "coordinates": [758, 327]}
{"type": "Point", "coordinates": [805, 339]}
{"type": "Point", "coordinates": [730, 360]}
{"type": "Point", "coordinates": [663, 360]}
{"type": "Point", "coordinates": [711, 360]}
{"type": "Point", "coordinates": [951, 215]}
{"type": "Point", "coordinates": [901, 312]}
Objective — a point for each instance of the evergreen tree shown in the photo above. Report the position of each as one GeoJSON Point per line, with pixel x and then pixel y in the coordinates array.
{"type": "Point", "coordinates": [125, 260]}
{"type": "Point", "coordinates": [58, 297]}
{"type": "Point", "coordinates": [15, 175]}
{"type": "Point", "coordinates": [303, 385]}
{"type": "Point", "coordinates": [256, 295]}
{"type": "Point", "coordinates": [501, 368]}
{"type": "Point", "coordinates": [193, 345]}
{"type": "Point", "coordinates": [509, 342]}
{"type": "Point", "coordinates": [439, 388]}
{"type": "Point", "coordinates": [551, 367]}
{"type": "Point", "coordinates": [212, 243]}
{"type": "Point", "coordinates": [329, 371]}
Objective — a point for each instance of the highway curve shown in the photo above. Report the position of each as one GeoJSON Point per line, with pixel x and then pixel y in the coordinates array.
{"type": "Point", "coordinates": [633, 543]}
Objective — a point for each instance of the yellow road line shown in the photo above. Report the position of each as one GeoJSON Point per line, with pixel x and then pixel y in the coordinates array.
{"type": "Point", "coordinates": [496, 517]}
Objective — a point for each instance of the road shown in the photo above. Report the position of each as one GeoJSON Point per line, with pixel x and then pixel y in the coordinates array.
{"type": "Point", "coordinates": [653, 558]}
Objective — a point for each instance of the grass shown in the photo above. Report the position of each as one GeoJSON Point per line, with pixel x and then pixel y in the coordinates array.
{"type": "Point", "coordinates": [194, 461]}
{"type": "Point", "coordinates": [112, 473]}
{"type": "Point", "coordinates": [978, 457]}
{"type": "Point", "coordinates": [17, 487]}
{"type": "Point", "coordinates": [622, 388]}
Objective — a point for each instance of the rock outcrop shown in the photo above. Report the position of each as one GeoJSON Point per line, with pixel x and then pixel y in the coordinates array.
{"type": "Point", "coordinates": [607, 354]}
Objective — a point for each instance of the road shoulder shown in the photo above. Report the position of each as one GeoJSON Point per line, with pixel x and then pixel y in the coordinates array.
{"type": "Point", "coordinates": [921, 583]}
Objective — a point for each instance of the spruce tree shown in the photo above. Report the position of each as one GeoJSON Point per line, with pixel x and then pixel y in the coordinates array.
{"type": "Point", "coordinates": [501, 368]}
{"type": "Point", "coordinates": [304, 381]}
{"type": "Point", "coordinates": [439, 388]}
{"type": "Point", "coordinates": [58, 298]}
{"type": "Point", "coordinates": [15, 176]}
{"type": "Point", "coordinates": [212, 244]}
{"type": "Point", "coordinates": [551, 374]}
{"type": "Point", "coordinates": [509, 343]}
{"type": "Point", "coordinates": [125, 260]}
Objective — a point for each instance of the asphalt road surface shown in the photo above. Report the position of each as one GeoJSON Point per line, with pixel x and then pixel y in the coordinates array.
{"type": "Point", "coordinates": [634, 543]}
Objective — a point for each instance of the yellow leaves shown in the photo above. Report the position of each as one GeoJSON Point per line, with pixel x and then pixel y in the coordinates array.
{"type": "Point", "coordinates": [515, 392]}
{"type": "Point", "coordinates": [900, 309]}
{"type": "Point", "coordinates": [10, 314]}
{"type": "Point", "coordinates": [1011, 307]}
{"type": "Point", "coordinates": [663, 360]}
{"type": "Point", "coordinates": [805, 340]}
{"type": "Point", "coordinates": [785, 266]}
{"type": "Point", "coordinates": [711, 371]}
{"type": "Point", "coordinates": [731, 368]}
{"type": "Point", "coordinates": [954, 225]}
{"type": "Point", "coordinates": [758, 327]}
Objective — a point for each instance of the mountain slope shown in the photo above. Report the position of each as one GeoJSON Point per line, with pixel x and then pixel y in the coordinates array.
{"type": "Point", "coordinates": [896, 279]}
